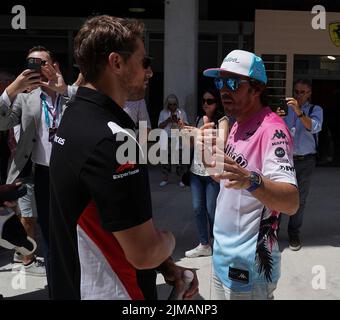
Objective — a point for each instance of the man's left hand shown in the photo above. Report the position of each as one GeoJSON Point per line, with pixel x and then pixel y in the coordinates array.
{"type": "Point", "coordinates": [55, 78]}
{"type": "Point", "coordinates": [236, 177]}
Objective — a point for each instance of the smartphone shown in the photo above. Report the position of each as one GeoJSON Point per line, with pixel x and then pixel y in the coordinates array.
{"type": "Point", "coordinates": [174, 118]}
{"type": "Point", "coordinates": [284, 106]}
{"type": "Point", "coordinates": [34, 64]}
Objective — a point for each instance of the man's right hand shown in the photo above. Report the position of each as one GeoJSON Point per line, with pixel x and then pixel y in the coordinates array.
{"type": "Point", "coordinates": [280, 112]}
{"type": "Point", "coordinates": [211, 142]}
{"type": "Point", "coordinates": [28, 79]}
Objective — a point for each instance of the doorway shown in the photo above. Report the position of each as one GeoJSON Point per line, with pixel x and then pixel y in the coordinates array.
{"type": "Point", "coordinates": [326, 93]}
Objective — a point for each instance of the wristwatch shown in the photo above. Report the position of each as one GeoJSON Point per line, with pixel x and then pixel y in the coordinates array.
{"type": "Point", "coordinates": [255, 181]}
{"type": "Point", "coordinates": [301, 115]}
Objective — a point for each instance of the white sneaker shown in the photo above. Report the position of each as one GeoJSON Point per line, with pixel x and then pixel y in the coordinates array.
{"type": "Point", "coordinates": [35, 268]}
{"type": "Point", "coordinates": [199, 251]}
{"type": "Point", "coordinates": [17, 258]}
{"type": "Point", "coordinates": [181, 184]}
{"type": "Point", "coordinates": [163, 183]}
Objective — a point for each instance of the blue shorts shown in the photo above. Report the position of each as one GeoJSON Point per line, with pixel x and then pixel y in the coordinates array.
{"type": "Point", "coordinates": [27, 204]}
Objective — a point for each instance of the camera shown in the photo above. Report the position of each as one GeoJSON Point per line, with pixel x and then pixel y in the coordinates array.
{"type": "Point", "coordinates": [174, 118]}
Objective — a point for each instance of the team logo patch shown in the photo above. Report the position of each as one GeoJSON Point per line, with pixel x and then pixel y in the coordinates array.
{"type": "Point", "coordinates": [334, 32]}
{"type": "Point", "coordinates": [280, 153]}
{"type": "Point", "coordinates": [238, 275]}
{"type": "Point", "coordinates": [125, 170]}
{"type": "Point", "coordinates": [125, 166]}
{"type": "Point", "coordinates": [279, 134]}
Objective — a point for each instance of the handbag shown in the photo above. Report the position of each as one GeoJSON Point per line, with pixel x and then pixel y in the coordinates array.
{"type": "Point", "coordinates": [186, 176]}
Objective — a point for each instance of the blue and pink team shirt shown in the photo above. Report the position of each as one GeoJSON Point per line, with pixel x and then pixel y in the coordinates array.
{"type": "Point", "coordinates": [245, 248]}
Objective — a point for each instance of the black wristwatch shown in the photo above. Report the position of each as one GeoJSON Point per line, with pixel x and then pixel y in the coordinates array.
{"type": "Point", "coordinates": [255, 181]}
{"type": "Point", "coordinates": [301, 115]}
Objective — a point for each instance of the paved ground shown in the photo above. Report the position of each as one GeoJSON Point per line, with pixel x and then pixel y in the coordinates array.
{"type": "Point", "coordinates": [320, 255]}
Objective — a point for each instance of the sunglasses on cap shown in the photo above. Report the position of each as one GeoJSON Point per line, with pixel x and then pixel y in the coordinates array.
{"type": "Point", "coordinates": [230, 83]}
{"type": "Point", "coordinates": [209, 101]}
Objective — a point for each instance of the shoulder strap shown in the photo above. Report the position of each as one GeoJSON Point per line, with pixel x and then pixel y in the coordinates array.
{"type": "Point", "coordinates": [314, 135]}
{"type": "Point", "coordinates": [197, 121]}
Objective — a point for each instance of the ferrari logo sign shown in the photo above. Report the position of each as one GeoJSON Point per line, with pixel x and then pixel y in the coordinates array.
{"type": "Point", "coordinates": [334, 32]}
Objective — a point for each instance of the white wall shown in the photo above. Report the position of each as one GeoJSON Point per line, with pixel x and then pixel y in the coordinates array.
{"type": "Point", "coordinates": [291, 32]}
{"type": "Point", "coordinates": [180, 52]}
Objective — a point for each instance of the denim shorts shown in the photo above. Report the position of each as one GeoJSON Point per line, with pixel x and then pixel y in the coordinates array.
{"type": "Point", "coordinates": [27, 204]}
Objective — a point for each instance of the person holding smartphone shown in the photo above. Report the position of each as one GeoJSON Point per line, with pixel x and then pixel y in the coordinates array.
{"type": "Point", "coordinates": [204, 189]}
{"type": "Point", "coordinates": [171, 118]}
{"type": "Point", "coordinates": [35, 101]}
{"type": "Point", "coordinates": [304, 121]}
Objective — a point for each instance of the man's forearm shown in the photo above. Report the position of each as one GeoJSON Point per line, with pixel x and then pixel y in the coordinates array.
{"type": "Point", "coordinates": [162, 249]}
{"type": "Point", "coordinates": [306, 121]}
{"type": "Point", "coordinates": [279, 196]}
{"type": "Point", "coordinates": [12, 91]}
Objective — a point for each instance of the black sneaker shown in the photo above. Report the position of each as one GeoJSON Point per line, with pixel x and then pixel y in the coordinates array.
{"type": "Point", "coordinates": [294, 242]}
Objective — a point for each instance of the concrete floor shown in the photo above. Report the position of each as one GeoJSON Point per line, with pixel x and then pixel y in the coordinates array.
{"type": "Point", "coordinates": [311, 273]}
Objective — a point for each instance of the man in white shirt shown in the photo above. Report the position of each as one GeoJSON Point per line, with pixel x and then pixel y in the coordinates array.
{"type": "Point", "coordinates": [138, 112]}
{"type": "Point", "coordinates": [38, 113]}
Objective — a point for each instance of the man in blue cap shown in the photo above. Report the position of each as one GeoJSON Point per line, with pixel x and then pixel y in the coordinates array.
{"type": "Point", "coordinates": [257, 183]}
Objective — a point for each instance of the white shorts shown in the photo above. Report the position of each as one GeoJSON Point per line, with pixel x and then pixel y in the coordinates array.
{"type": "Point", "coordinates": [27, 204]}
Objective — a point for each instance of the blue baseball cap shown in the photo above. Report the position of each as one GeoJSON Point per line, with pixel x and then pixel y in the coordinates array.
{"type": "Point", "coordinates": [240, 62]}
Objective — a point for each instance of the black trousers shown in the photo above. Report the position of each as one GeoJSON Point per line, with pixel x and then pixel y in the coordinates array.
{"type": "Point", "coordinates": [42, 198]}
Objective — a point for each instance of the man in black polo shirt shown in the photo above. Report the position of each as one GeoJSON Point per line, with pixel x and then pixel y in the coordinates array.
{"type": "Point", "coordinates": [101, 216]}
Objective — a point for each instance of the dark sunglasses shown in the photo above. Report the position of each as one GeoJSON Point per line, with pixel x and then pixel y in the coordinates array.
{"type": "Point", "coordinates": [146, 62]}
{"type": "Point", "coordinates": [303, 92]}
{"type": "Point", "coordinates": [230, 83]}
{"type": "Point", "coordinates": [208, 101]}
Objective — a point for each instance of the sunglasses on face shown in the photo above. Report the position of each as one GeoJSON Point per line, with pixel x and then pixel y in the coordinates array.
{"type": "Point", "coordinates": [146, 62]}
{"type": "Point", "coordinates": [209, 101]}
{"type": "Point", "coordinates": [231, 84]}
{"type": "Point", "coordinates": [301, 92]}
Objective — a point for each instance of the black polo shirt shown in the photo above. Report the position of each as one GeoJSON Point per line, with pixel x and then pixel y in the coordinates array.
{"type": "Point", "coordinates": [94, 193]}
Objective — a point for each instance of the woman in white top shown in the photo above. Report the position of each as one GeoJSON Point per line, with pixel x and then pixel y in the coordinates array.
{"type": "Point", "coordinates": [171, 118]}
{"type": "Point", "coordinates": [204, 189]}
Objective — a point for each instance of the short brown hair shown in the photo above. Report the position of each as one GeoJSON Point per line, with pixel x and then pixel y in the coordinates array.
{"type": "Point", "coordinates": [43, 49]}
{"type": "Point", "coordinates": [101, 35]}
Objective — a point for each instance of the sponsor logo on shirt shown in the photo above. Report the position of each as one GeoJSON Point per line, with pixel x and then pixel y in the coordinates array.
{"type": "Point", "coordinates": [279, 134]}
{"type": "Point", "coordinates": [238, 158]}
{"type": "Point", "coordinates": [125, 170]}
{"type": "Point", "coordinates": [238, 275]}
{"type": "Point", "coordinates": [287, 168]}
{"type": "Point", "coordinates": [277, 143]}
{"type": "Point", "coordinates": [279, 152]}
{"type": "Point", "coordinates": [59, 140]}
{"type": "Point", "coordinates": [282, 160]}
{"type": "Point", "coordinates": [125, 167]}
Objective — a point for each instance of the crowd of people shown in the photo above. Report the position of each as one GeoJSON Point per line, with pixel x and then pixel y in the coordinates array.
{"type": "Point", "coordinates": [95, 215]}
